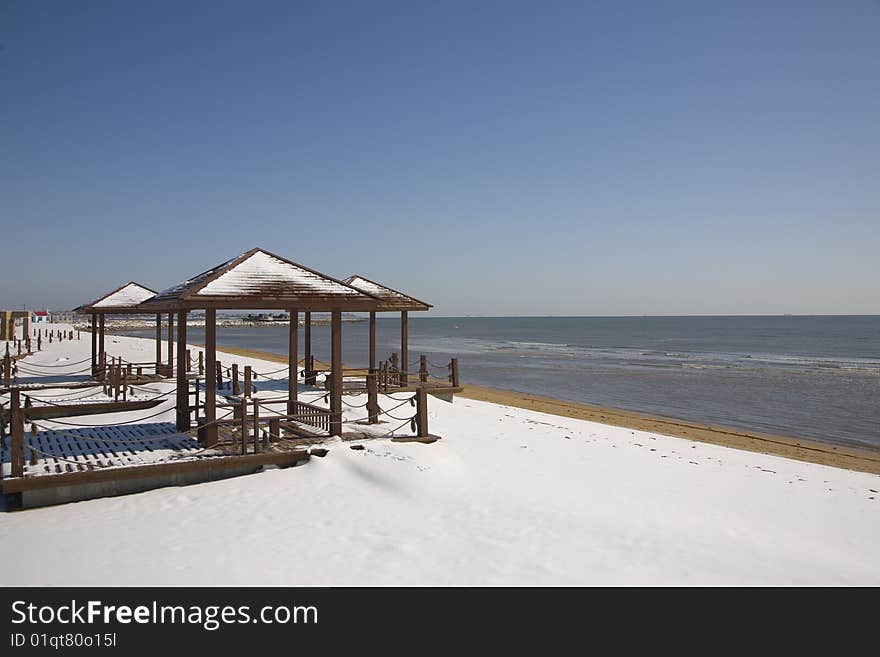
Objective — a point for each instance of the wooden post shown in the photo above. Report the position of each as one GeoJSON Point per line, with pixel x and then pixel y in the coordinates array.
{"type": "Point", "coordinates": [209, 435]}
{"type": "Point", "coordinates": [182, 368]}
{"type": "Point", "coordinates": [307, 348]}
{"type": "Point", "coordinates": [256, 426]}
{"type": "Point", "coordinates": [292, 360]}
{"type": "Point", "coordinates": [170, 344]}
{"type": "Point", "coordinates": [372, 364]}
{"type": "Point", "coordinates": [373, 397]}
{"type": "Point", "coordinates": [275, 428]}
{"type": "Point", "coordinates": [219, 366]}
{"type": "Point", "coordinates": [124, 380]}
{"type": "Point", "coordinates": [101, 354]}
{"type": "Point", "coordinates": [336, 373]}
{"type": "Point", "coordinates": [40, 339]}
{"type": "Point", "coordinates": [94, 344]}
{"type": "Point", "coordinates": [16, 426]}
{"type": "Point", "coordinates": [201, 363]}
{"type": "Point", "coordinates": [236, 389]}
{"type": "Point", "coordinates": [423, 368]}
{"type": "Point", "coordinates": [422, 411]}
{"type": "Point", "coordinates": [197, 386]}
{"type": "Point", "coordinates": [159, 367]}
{"type": "Point", "coordinates": [395, 369]}
{"type": "Point", "coordinates": [188, 356]}
{"type": "Point", "coordinates": [242, 415]}
{"type": "Point", "coordinates": [114, 378]}
{"type": "Point", "coordinates": [454, 372]}
{"type": "Point", "coordinates": [247, 380]}
{"type": "Point", "coordinates": [7, 368]}
{"type": "Point", "coordinates": [404, 347]}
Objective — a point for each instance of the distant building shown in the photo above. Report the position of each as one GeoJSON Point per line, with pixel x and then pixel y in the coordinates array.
{"type": "Point", "coordinates": [41, 317]}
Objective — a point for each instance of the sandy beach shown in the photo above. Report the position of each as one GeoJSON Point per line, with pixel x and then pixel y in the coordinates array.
{"type": "Point", "coordinates": [518, 490]}
{"type": "Point", "coordinates": [838, 456]}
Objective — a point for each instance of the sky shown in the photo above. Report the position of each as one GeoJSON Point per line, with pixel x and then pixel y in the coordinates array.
{"type": "Point", "coordinates": [493, 158]}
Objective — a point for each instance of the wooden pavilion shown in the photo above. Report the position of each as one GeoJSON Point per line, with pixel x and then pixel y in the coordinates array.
{"type": "Point", "coordinates": [390, 300]}
{"type": "Point", "coordinates": [258, 280]}
{"type": "Point", "coordinates": [124, 300]}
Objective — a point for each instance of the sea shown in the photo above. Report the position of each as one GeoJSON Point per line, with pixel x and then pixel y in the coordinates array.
{"type": "Point", "coordinates": [814, 377]}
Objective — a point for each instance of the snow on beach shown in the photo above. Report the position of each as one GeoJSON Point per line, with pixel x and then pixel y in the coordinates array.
{"type": "Point", "coordinates": [508, 496]}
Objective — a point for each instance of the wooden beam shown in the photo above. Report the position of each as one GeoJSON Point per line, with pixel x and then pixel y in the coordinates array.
{"type": "Point", "coordinates": [102, 361]}
{"type": "Point", "coordinates": [336, 373]}
{"type": "Point", "coordinates": [307, 340]}
{"type": "Point", "coordinates": [292, 359]}
{"type": "Point", "coordinates": [158, 342]}
{"type": "Point", "coordinates": [281, 459]}
{"type": "Point", "coordinates": [422, 412]}
{"type": "Point", "coordinates": [94, 344]}
{"type": "Point", "coordinates": [170, 344]}
{"type": "Point", "coordinates": [372, 364]}
{"type": "Point", "coordinates": [209, 435]}
{"type": "Point", "coordinates": [16, 429]}
{"type": "Point", "coordinates": [182, 380]}
{"type": "Point", "coordinates": [96, 408]}
{"type": "Point", "coordinates": [404, 347]}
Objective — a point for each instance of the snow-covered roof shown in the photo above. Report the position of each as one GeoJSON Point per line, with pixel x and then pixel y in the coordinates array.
{"type": "Point", "coordinates": [258, 279]}
{"type": "Point", "coordinates": [390, 299]}
{"type": "Point", "coordinates": [123, 298]}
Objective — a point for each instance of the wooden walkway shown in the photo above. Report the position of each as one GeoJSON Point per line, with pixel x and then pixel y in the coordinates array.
{"type": "Point", "coordinates": [91, 448]}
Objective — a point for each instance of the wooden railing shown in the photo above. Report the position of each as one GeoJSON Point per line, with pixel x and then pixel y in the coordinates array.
{"type": "Point", "coordinates": [311, 415]}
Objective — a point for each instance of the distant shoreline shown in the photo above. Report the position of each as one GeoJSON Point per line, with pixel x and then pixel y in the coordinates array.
{"type": "Point", "coordinates": [117, 325]}
{"type": "Point", "coordinates": [810, 451]}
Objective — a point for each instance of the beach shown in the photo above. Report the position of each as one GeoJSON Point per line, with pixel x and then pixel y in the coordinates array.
{"type": "Point", "coordinates": [839, 456]}
{"type": "Point", "coordinates": [510, 494]}
{"type": "Point", "coordinates": [811, 378]}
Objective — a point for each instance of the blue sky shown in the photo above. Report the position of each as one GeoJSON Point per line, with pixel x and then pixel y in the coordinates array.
{"type": "Point", "coordinates": [584, 158]}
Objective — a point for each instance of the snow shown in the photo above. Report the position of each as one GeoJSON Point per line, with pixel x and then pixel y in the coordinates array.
{"type": "Point", "coordinates": [507, 496]}
{"type": "Point", "coordinates": [130, 295]}
{"type": "Point", "coordinates": [375, 289]}
{"type": "Point", "coordinates": [261, 271]}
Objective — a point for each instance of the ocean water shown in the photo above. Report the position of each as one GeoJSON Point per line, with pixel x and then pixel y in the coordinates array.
{"type": "Point", "coordinates": [810, 377]}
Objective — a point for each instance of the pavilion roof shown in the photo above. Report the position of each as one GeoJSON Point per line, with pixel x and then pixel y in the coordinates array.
{"type": "Point", "coordinates": [390, 299]}
{"type": "Point", "coordinates": [124, 299]}
{"type": "Point", "coordinates": [258, 279]}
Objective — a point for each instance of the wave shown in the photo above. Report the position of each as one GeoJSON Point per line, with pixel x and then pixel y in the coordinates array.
{"type": "Point", "coordinates": [641, 357]}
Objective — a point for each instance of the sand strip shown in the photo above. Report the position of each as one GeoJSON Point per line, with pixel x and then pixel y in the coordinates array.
{"type": "Point", "coordinates": [849, 458]}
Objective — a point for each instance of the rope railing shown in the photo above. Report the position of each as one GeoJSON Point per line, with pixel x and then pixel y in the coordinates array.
{"type": "Point", "coordinates": [25, 370]}
{"type": "Point", "coordinates": [159, 396]}
{"type": "Point", "coordinates": [65, 395]}
{"type": "Point", "coordinates": [30, 364]}
{"type": "Point", "coordinates": [117, 423]}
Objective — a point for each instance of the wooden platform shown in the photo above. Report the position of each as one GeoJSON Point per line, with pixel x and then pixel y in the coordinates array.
{"type": "Point", "coordinates": [97, 462]}
{"type": "Point", "coordinates": [92, 448]}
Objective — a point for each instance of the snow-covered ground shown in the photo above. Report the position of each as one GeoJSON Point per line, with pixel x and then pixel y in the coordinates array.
{"type": "Point", "coordinates": [508, 496]}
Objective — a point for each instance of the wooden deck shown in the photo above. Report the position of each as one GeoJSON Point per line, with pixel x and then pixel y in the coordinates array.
{"type": "Point", "coordinates": [88, 463]}
{"type": "Point", "coordinates": [92, 448]}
